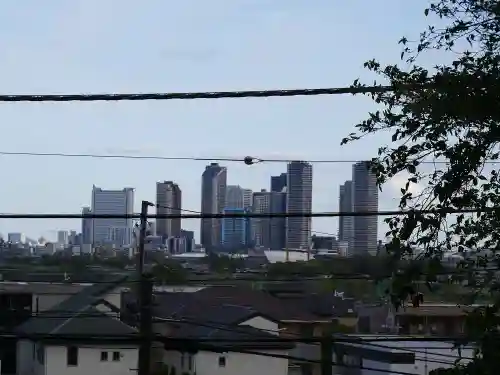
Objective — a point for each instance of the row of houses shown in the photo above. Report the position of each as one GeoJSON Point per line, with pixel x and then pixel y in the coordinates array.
{"type": "Point", "coordinates": [76, 329]}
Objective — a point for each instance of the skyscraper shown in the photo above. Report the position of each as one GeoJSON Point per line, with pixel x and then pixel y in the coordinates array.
{"type": "Point", "coordinates": [213, 201]}
{"type": "Point", "coordinates": [365, 198]}
{"type": "Point", "coordinates": [346, 223]}
{"type": "Point", "coordinates": [168, 202]}
{"type": "Point", "coordinates": [234, 229]}
{"type": "Point", "coordinates": [261, 225]}
{"type": "Point", "coordinates": [278, 182]}
{"type": "Point", "coordinates": [299, 201]}
{"type": "Point", "coordinates": [277, 224]}
{"type": "Point", "coordinates": [86, 227]}
{"type": "Point", "coordinates": [238, 197]}
{"type": "Point", "coordinates": [117, 231]}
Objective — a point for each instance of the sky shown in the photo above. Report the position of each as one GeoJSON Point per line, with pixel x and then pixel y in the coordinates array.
{"type": "Point", "coordinates": [118, 46]}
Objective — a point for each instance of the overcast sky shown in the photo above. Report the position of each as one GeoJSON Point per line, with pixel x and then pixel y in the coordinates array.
{"type": "Point", "coordinates": [84, 46]}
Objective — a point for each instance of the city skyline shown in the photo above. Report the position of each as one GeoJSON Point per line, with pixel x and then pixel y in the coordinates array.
{"type": "Point", "coordinates": [332, 227]}
{"type": "Point", "coordinates": [88, 46]}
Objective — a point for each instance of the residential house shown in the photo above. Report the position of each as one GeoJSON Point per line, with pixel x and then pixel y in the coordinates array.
{"type": "Point", "coordinates": [80, 335]}
{"type": "Point", "coordinates": [410, 355]}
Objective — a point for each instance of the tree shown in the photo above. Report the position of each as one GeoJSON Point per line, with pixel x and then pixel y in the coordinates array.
{"type": "Point", "coordinates": [449, 113]}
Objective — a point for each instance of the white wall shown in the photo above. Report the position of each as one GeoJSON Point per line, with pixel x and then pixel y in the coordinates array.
{"type": "Point", "coordinates": [207, 363]}
{"type": "Point", "coordinates": [437, 355]}
{"type": "Point", "coordinates": [89, 361]}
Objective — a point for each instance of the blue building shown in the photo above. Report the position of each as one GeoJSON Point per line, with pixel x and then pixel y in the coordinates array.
{"type": "Point", "coordinates": [235, 230]}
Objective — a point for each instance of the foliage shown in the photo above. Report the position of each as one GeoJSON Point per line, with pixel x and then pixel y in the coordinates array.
{"type": "Point", "coordinates": [169, 272]}
{"type": "Point", "coordinates": [224, 264]}
{"type": "Point", "coordinates": [447, 113]}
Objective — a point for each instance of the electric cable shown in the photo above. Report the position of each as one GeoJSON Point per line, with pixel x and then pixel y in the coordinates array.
{"type": "Point", "coordinates": [412, 212]}
{"type": "Point", "coordinates": [202, 95]}
{"type": "Point", "coordinates": [249, 160]}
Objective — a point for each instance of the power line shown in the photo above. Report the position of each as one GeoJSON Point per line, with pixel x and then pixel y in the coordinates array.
{"type": "Point", "coordinates": [198, 95]}
{"type": "Point", "coordinates": [249, 160]}
{"type": "Point", "coordinates": [251, 215]}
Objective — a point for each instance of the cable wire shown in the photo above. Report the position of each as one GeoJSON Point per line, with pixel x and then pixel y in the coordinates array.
{"type": "Point", "coordinates": [198, 95]}
{"type": "Point", "coordinates": [251, 215]}
{"type": "Point", "coordinates": [249, 160]}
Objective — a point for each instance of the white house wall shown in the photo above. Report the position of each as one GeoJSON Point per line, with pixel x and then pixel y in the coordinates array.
{"type": "Point", "coordinates": [437, 355]}
{"type": "Point", "coordinates": [25, 357]}
{"type": "Point", "coordinates": [207, 363]}
{"type": "Point", "coordinates": [89, 361]}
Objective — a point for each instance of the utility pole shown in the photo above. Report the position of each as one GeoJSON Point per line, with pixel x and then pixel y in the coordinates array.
{"type": "Point", "coordinates": [327, 352]}
{"type": "Point", "coordinates": [145, 297]}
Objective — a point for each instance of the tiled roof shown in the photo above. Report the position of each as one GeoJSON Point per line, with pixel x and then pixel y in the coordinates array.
{"type": "Point", "coordinates": [78, 316]}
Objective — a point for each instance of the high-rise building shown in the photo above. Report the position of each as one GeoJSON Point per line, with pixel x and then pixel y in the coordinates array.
{"type": "Point", "coordinates": [213, 201]}
{"type": "Point", "coordinates": [238, 197]}
{"type": "Point", "coordinates": [277, 224]}
{"type": "Point", "coordinates": [261, 225]}
{"type": "Point", "coordinates": [234, 229]}
{"type": "Point", "coordinates": [278, 183]}
{"type": "Point", "coordinates": [168, 202]}
{"type": "Point", "coordinates": [117, 231]}
{"type": "Point", "coordinates": [87, 236]}
{"type": "Point", "coordinates": [63, 237]}
{"type": "Point", "coordinates": [365, 198]}
{"type": "Point", "coordinates": [299, 201]}
{"type": "Point", "coordinates": [346, 223]}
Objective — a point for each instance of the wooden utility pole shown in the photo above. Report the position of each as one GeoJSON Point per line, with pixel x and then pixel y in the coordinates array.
{"type": "Point", "coordinates": [145, 297]}
{"type": "Point", "coordinates": [327, 352]}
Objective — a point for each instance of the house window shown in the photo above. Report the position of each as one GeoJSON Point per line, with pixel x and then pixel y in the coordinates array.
{"type": "Point", "coordinates": [222, 361]}
{"type": "Point", "coordinates": [116, 356]}
{"type": "Point", "coordinates": [72, 356]}
{"type": "Point", "coordinates": [104, 356]}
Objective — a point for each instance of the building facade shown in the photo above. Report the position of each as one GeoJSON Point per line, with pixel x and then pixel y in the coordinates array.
{"type": "Point", "coordinates": [261, 236]}
{"type": "Point", "coordinates": [213, 201]}
{"type": "Point", "coordinates": [87, 237]}
{"type": "Point", "coordinates": [346, 223]}
{"type": "Point", "coordinates": [116, 231]}
{"type": "Point", "coordinates": [168, 202]}
{"type": "Point", "coordinates": [235, 229]}
{"type": "Point", "coordinates": [238, 197]}
{"type": "Point", "coordinates": [365, 199]}
{"type": "Point", "coordinates": [299, 201]}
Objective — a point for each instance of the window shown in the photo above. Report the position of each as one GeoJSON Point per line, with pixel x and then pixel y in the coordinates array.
{"type": "Point", "coordinates": [72, 356]}
{"type": "Point", "coordinates": [222, 361]}
{"type": "Point", "coordinates": [104, 356]}
{"type": "Point", "coordinates": [116, 356]}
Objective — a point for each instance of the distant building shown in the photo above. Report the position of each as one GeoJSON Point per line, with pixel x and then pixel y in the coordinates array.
{"type": "Point", "coordinates": [213, 201]}
{"type": "Point", "coordinates": [16, 237]}
{"type": "Point", "coordinates": [169, 202]}
{"type": "Point", "coordinates": [190, 242]}
{"type": "Point", "coordinates": [261, 235]}
{"type": "Point", "coordinates": [323, 242]}
{"type": "Point", "coordinates": [63, 237]}
{"type": "Point", "coordinates": [365, 199]}
{"type": "Point", "coordinates": [238, 197]}
{"type": "Point", "coordinates": [112, 202]}
{"type": "Point", "coordinates": [87, 227]}
{"type": "Point", "coordinates": [278, 183]}
{"type": "Point", "coordinates": [299, 201]}
{"type": "Point", "coordinates": [346, 204]}
{"type": "Point", "coordinates": [235, 229]}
